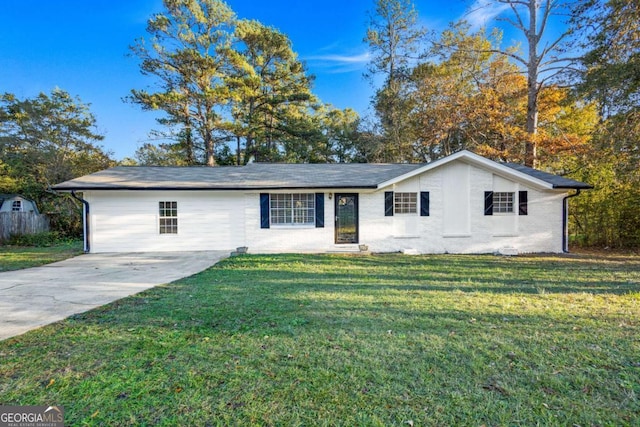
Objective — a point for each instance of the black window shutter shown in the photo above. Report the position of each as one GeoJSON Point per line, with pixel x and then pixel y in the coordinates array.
{"type": "Point", "coordinates": [488, 202]}
{"type": "Point", "coordinates": [264, 210]}
{"type": "Point", "coordinates": [424, 203]}
{"type": "Point", "coordinates": [523, 199]}
{"type": "Point", "coordinates": [319, 210]}
{"type": "Point", "coordinates": [388, 203]}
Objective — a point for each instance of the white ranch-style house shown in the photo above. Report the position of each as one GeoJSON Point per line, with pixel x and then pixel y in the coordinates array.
{"type": "Point", "coordinates": [463, 203]}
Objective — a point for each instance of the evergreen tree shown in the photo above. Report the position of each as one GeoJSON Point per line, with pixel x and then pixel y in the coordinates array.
{"type": "Point", "coordinates": [394, 39]}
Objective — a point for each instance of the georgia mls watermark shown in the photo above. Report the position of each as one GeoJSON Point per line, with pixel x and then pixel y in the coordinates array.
{"type": "Point", "coordinates": [31, 416]}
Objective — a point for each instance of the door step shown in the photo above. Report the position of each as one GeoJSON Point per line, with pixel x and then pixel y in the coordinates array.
{"type": "Point", "coordinates": [345, 249]}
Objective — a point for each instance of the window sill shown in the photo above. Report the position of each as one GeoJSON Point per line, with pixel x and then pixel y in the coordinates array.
{"type": "Point", "coordinates": [505, 235]}
{"type": "Point", "coordinates": [406, 236]}
{"type": "Point", "coordinates": [456, 235]}
{"type": "Point", "coordinates": [292, 227]}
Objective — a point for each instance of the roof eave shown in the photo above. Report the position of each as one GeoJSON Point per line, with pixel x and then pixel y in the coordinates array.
{"type": "Point", "coordinates": [472, 158]}
{"type": "Point", "coordinates": [574, 187]}
{"type": "Point", "coordinates": [241, 188]}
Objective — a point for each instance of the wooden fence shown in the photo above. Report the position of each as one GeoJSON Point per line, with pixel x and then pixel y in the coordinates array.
{"type": "Point", "coordinates": [19, 223]}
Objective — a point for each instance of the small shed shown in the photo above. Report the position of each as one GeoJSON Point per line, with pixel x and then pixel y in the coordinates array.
{"type": "Point", "coordinates": [19, 216]}
{"type": "Point", "coordinates": [17, 203]}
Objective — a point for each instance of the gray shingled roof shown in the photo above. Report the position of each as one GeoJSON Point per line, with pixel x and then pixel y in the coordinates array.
{"type": "Point", "coordinates": [556, 181]}
{"type": "Point", "coordinates": [255, 176]}
{"type": "Point", "coordinates": [269, 176]}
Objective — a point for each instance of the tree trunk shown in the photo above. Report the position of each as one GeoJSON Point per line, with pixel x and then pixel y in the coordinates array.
{"type": "Point", "coordinates": [530, 149]}
{"type": "Point", "coordinates": [209, 148]}
{"type": "Point", "coordinates": [209, 142]}
{"type": "Point", "coordinates": [238, 150]}
{"type": "Point", "coordinates": [188, 140]}
{"type": "Point", "coordinates": [250, 148]}
{"type": "Point", "coordinates": [211, 160]}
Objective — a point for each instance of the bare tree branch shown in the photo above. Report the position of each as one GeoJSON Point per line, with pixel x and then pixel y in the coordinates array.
{"type": "Point", "coordinates": [508, 54]}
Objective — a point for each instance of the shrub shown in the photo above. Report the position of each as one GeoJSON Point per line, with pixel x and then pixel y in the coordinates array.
{"type": "Point", "coordinates": [45, 239]}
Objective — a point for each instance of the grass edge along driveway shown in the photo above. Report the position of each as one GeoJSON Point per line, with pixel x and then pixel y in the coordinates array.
{"type": "Point", "coordinates": [20, 257]}
{"type": "Point", "coordinates": [350, 340]}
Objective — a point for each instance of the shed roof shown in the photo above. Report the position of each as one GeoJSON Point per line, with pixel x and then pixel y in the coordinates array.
{"type": "Point", "coordinates": [6, 197]}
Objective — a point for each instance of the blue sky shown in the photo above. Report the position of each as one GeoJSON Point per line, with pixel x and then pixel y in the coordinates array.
{"type": "Point", "coordinates": [81, 46]}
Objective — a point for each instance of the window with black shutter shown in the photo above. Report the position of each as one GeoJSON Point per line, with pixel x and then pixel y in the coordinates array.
{"type": "Point", "coordinates": [388, 203]}
{"type": "Point", "coordinates": [523, 201]}
{"type": "Point", "coordinates": [424, 203]}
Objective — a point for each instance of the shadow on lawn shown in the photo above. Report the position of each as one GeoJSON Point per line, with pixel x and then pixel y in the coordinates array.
{"type": "Point", "coordinates": [250, 294]}
{"type": "Point", "coordinates": [454, 273]}
{"type": "Point", "coordinates": [390, 313]}
{"type": "Point", "coordinates": [181, 313]}
{"type": "Point", "coordinates": [239, 297]}
{"type": "Point", "coordinates": [460, 283]}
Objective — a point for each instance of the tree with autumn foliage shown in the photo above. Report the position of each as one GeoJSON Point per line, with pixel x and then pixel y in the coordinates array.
{"type": "Point", "coordinates": [470, 97]}
{"type": "Point", "coordinates": [465, 98]}
{"type": "Point", "coordinates": [610, 78]}
{"type": "Point", "coordinates": [545, 57]}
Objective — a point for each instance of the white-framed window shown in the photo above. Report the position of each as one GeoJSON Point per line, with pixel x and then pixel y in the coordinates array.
{"type": "Point", "coordinates": [405, 203]}
{"type": "Point", "coordinates": [16, 206]}
{"type": "Point", "coordinates": [292, 208]}
{"type": "Point", "coordinates": [503, 202]}
{"type": "Point", "coordinates": [168, 216]}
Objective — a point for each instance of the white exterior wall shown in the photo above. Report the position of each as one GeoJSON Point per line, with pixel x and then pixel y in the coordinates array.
{"type": "Point", "coordinates": [278, 238]}
{"type": "Point", "coordinates": [127, 221]}
{"type": "Point", "coordinates": [456, 221]}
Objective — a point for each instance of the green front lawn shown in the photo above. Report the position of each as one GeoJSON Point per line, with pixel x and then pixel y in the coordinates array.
{"type": "Point", "coordinates": [19, 257]}
{"type": "Point", "coordinates": [350, 340]}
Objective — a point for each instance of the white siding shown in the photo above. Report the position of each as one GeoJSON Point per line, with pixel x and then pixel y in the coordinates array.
{"type": "Point", "coordinates": [124, 221]}
{"type": "Point", "coordinates": [307, 238]}
{"type": "Point", "coordinates": [127, 221]}
{"type": "Point", "coordinates": [456, 216]}
{"type": "Point", "coordinates": [457, 223]}
{"type": "Point", "coordinates": [404, 225]}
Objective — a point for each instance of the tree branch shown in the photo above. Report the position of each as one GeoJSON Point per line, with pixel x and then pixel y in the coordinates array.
{"type": "Point", "coordinates": [545, 16]}
{"type": "Point", "coordinates": [507, 54]}
{"type": "Point", "coordinates": [571, 61]}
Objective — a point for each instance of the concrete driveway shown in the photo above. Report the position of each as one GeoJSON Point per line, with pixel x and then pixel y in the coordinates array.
{"type": "Point", "coordinates": [38, 296]}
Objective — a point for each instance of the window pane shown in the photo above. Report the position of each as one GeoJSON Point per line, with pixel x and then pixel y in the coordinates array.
{"type": "Point", "coordinates": [292, 208]}
{"type": "Point", "coordinates": [502, 202]}
{"type": "Point", "coordinates": [405, 203]}
{"type": "Point", "coordinates": [168, 223]}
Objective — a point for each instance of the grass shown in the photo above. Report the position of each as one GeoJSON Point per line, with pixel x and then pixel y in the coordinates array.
{"type": "Point", "coordinates": [19, 257]}
{"type": "Point", "coordinates": [350, 340]}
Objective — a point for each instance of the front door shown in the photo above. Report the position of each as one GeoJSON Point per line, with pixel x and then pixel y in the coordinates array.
{"type": "Point", "coordinates": [346, 208]}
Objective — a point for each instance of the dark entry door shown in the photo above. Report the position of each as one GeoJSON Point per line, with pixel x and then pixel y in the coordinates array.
{"type": "Point", "coordinates": [346, 218]}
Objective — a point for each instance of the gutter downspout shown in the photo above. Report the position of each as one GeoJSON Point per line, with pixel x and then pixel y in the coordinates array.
{"type": "Point", "coordinates": [85, 220]}
{"type": "Point", "coordinates": [565, 221]}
